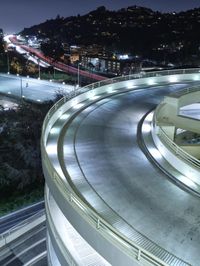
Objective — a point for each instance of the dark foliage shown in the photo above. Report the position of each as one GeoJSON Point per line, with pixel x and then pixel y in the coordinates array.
{"type": "Point", "coordinates": [20, 161]}
{"type": "Point", "coordinates": [52, 49]}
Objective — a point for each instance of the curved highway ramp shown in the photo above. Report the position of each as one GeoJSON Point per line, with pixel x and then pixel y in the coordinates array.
{"type": "Point", "coordinates": [99, 179]}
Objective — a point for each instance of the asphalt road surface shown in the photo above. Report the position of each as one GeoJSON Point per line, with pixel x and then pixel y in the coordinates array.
{"type": "Point", "coordinates": [14, 218]}
{"type": "Point", "coordinates": [25, 248]}
{"type": "Point", "coordinates": [31, 89]}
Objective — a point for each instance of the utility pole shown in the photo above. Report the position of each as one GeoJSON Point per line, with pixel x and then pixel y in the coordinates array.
{"type": "Point", "coordinates": [21, 90]}
{"type": "Point", "coordinates": [38, 68]}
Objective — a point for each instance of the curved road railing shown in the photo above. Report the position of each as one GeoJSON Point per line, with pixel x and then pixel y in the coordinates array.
{"type": "Point", "coordinates": [169, 142]}
{"type": "Point", "coordinates": [177, 149]}
{"type": "Point", "coordinates": [185, 91]}
{"type": "Point", "coordinates": [76, 202]}
{"type": "Point", "coordinates": [116, 80]}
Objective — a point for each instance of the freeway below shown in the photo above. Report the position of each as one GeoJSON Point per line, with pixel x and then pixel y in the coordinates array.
{"type": "Point", "coordinates": [14, 218]}
{"type": "Point", "coordinates": [8, 103]}
{"type": "Point", "coordinates": [31, 89]}
{"type": "Point", "coordinates": [28, 249]}
{"type": "Point", "coordinates": [56, 64]}
{"type": "Point", "coordinates": [106, 144]}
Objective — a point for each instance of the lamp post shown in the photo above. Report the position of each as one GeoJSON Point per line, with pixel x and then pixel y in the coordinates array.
{"type": "Point", "coordinates": [27, 54]}
{"type": "Point", "coordinates": [21, 90]}
{"type": "Point", "coordinates": [8, 63]}
{"type": "Point", "coordinates": [78, 81]}
{"type": "Point", "coordinates": [38, 68]}
{"type": "Point", "coordinates": [54, 73]}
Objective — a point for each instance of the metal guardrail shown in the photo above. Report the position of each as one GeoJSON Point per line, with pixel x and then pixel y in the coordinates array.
{"type": "Point", "coordinates": [84, 209]}
{"type": "Point", "coordinates": [94, 218]}
{"type": "Point", "coordinates": [36, 259]}
{"type": "Point", "coordinates": [21, 224]}
{"type": "Point", "coordinates": [186, 91]}
{"type": "Point", "coordinates": [131, 248]}
{"type": "Point", "coordinates": [23, 209]}
{"type": "Point", "coordinates": [177, 150]}
{"type": "Point", "coordinates": [169, 142]}
{"type": "Point", "coordinates": [116, 80]}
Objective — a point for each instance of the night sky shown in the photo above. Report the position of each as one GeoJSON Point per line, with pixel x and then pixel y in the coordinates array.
{"type": "Point", "coordinates": [17, 14]}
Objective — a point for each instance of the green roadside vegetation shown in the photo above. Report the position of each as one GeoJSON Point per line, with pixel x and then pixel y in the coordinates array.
{"type": "Point", "coordinates": [21, 175]}
{"type": "Point", "coordinates": [19, 200]}
{"type": "Point", "coordinates": [3, 62]}
{"type": "Point", "coordinates": [59, 76]}
{"type": "Point", "coordinates": [18, 64]}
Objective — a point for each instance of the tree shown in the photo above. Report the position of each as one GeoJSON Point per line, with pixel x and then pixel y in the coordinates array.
{"type": "Point", "coordinates": [20, 161]}
{"type": "Point", "coordinates": [1, 45]}
{"type": "Point", "coordinates": [52, 49]}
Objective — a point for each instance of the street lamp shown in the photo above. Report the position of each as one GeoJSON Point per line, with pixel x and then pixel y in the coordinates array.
{"type": "Point", "coordinates": [26, 66]}
{"type": "Point", "coordinates": [39, 68]}
{"type": "Point", "coordinates": [78, 79]}
{"type": "Point", "coordinates": [21, 89]}
{"type": "Point", "coordinates": [54, 73]}
{"type": "Point", "coordinates": [8, 63]}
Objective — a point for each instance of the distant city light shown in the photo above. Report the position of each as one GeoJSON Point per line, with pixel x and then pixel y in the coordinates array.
{"type": "Point", "coordinates": [123, 57]}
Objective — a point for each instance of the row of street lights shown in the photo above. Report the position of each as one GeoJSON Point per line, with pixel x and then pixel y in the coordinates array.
{"type": "Point", "coordinates": [21, 86]}
{"type": "Point", "coordinates": [39, 72]}
{"type": "Point", "coordinates": [8, 64]}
